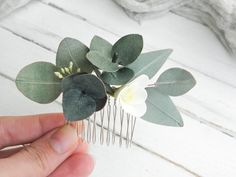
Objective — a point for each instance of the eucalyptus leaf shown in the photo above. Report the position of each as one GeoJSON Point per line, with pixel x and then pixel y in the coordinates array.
{"type": "Point", "coordinates": [38, 82]}
{"type": "Point", "coordinates": [77, 106]}
{"type": "Point", "coordinates": [149, 63]}
{"type": "Point", "coordinates": [89, 85]}
{"type": "Point", "coordinates": [100, 103]}
{"type": "Point", "coordinates": [101, 45]}
{"type": "Point", "coordinates": [120, 77]}
{"type": "Point", "coordinates": [175, 82]}
{"type": "Point", "coordinates": [72, 50]}
{"type": "Point", "coordinates": [127, 49]}
{"type": "Point", "coordinates": [102, 62]}
{"type": "Point", "coordinates": [161, 110]}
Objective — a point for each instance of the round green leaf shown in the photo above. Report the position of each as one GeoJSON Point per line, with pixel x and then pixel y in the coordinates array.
{"type": "Point", "coordinates": [127, 49]}
{"type": "Point", "coordinates": [77, 105]}
{"type": "Point", "coordinates": [101, 45]}
{"type": "Point", "coordinates": [102, 62]}
{"type": "Point", "coordinates": [72, 50]}
{"type": "Point", "coordinates": [100, 103]}
{"type": "Point", "coordinates": [161, 110]}
{"type": "Point", "coordinates": [89, 85]}
{"type": "Point", "coordinates": [38, 82]}
{"type": "Point", "coordinates": [175, 82]}
{"type": "Point", "coordinates": [120, 77]}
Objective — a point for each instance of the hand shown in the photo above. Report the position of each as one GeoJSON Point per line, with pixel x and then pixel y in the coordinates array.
{"type": "Point", "coordinates": [52, 150]}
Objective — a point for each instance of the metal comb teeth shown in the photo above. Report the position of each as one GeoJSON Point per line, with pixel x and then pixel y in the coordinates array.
{"type": "Point", "coordinates": [109, 126]}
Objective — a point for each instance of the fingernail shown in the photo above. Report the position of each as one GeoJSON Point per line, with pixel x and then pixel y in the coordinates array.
{"type": "Point", "coordinates": [63, 139]}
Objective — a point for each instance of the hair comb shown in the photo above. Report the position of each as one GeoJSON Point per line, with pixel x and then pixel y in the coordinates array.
{"type": "Point", "coordinates": [102, 126]}
{"type": "Point", "coordinates": [107, 87]}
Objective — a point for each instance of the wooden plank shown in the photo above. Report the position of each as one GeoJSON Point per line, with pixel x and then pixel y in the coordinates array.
{"type": "Point", "coordinates": [196, 147]}
{"type": "Point", "coordinates": [13, 103]}
{"type": "Point", "coordinates": [211, 102]}
{"type": "Point", "coordinates": [111, 18]}
{"type": "Point", "coordinates": [194, 44]}
{"type": "Point", "coordinates": [117, 162]}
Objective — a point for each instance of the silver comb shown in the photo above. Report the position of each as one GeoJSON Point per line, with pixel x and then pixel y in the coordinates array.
{"type": "Point", "coordinates": [109, 126]}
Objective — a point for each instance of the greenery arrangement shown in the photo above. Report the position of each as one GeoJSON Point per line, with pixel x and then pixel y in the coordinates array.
{"type": "Point", "coordinates": [86, 76]}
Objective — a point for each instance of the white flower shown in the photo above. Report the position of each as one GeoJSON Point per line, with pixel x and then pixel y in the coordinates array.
{"type": "Point", "coordinates": [132, 96]}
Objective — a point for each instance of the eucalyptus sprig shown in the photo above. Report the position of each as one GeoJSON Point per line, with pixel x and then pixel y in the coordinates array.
{"type": "Point", "coordinates": [86, 76]}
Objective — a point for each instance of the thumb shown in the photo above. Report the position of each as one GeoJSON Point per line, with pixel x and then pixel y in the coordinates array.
{"type": "Point", "coordinates": [44, 155]}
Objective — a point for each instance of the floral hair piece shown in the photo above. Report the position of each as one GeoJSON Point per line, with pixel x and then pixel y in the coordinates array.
{"type": "Point", "coordinates": [88, 76]}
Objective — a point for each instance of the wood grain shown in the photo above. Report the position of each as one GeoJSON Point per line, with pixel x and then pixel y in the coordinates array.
{"type": "Point", "coordinates": [108, 160]}
{"type": "Point", "coordinates": [196, 149]}
{"type": "Point", "coordinates": [211, 102]}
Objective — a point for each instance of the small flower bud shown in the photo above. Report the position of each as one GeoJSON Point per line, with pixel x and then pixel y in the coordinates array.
{"type": "Point", "coordinates": [71, 66]}
{"type": "Point", "coordinates": [63, 71]}
{"type": "Point", "coordinates": [59, 75]}
{"type": "Point", "coordinates": [67, 70]}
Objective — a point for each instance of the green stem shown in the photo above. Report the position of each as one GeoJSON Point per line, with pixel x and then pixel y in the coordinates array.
{"type": "Point", "coordinates": [97, 72]}
{"type": "Point", "coordinates": [109, 90]}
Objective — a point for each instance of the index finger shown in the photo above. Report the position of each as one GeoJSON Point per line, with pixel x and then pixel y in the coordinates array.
{"type": "Point", "coordinates": [16, 130]}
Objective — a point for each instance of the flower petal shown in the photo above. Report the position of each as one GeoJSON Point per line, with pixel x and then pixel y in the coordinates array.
{"type": "Point", "coordinates": [134, 92]}
{"type": "Point", "coordinates": [141, 81]}
{"type": "Point", "coordinates": [140, 95]}
{"type": "Point", "coordinates": [132, 96]}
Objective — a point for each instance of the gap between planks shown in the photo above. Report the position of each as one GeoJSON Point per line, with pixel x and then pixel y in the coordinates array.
{"type": "Point", "coordinates": [29, 40]}
{"type": "Point", "coordinates": [118, 35]}
{"type": "Point", "coordinates": [226, 131]}
{"type": "Point", "coordinates": [187, 112]}
{"type": "Point", "coordinates": [223, 130]}
{"type": "Point", "coordinates": [133, 142]}
{"type": "Point", "coordinates": [96, 151]}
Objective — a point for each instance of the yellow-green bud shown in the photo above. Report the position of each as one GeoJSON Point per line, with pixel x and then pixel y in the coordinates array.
{"type": "Point", "coordinates": [71, 66]}
{"type": "Point", "coordinates": [59, 75]}
{"type": "Point", "coordinates": [63, 71]}
{"type": "Point", "coordinates": [67, 70]}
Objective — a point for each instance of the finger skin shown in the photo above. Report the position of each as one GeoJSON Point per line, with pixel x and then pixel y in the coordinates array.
{"type": "Point", "coordinates": [38, 159]}
{"type": "Point", "coordinates": [25, 129]}
{"type": "Point", "coordinates": [82, 148]}
{"type": "Point", "coordinates": [78, 165]}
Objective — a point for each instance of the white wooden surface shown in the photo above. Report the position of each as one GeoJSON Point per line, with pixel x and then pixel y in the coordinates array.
{"type": "Point", "coordinates": [205, 146]}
